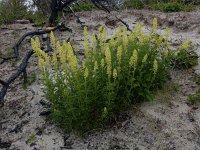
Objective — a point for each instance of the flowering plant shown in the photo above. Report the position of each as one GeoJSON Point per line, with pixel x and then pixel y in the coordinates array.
{"type": "Point", "coordinates": [114, 74]}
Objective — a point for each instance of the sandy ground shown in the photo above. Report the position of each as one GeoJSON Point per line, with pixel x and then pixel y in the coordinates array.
{"type": "Point", "coordinates": [171, 122]}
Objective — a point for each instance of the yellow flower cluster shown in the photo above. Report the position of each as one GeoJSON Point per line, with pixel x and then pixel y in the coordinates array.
{"type": "Point", "coordinates": [125, 38]}
{"type": "Point", "coordinates": [94, 43]}
{"type": "Point", "coordinates": [108, 61]}
{"type": "Point", "coordinates": [144, 58]}
{"type": "Point", "coordinates": [115, 74]}
{"type": "Point", "coordinates": [73, 62]}
{"type": "Point", "coordinates": [155, 67]}
{"type": "Point", "coordinates": [95, 66]}
{"type": "Point", "coordinates": [86, 73]}
{"type": "Point", "coordinates": [133, 59]}
{"type": "Point", "coordinates": [102, 63]}
{"type": "Point", "coordinates": [119, 54]}
{"type": "Point", "coordinates": [44, 60]}
{"type": "Point", "coordinates": [52, 40]}
{"type": "Point", "coordinates": [55, 61]}
{"type": "Point", "coordinates": [155, 24]}
{"type": "Point", "coordinates": [185, 45]}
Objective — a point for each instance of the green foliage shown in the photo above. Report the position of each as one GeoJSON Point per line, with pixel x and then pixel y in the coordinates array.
{"type": "Point", "coordinates": [83, 6]}
{"type": "Point", "coordinates": [31, 79]}
{"type": "Point", "coordinates": [195, 97]}
{"type": "Point", "coordinates": [31, 138]}
{"type": "Point", "coordinates": [162, 5]}
{"type": "Point", "coordinates": [11, 10]}
{"type": "Point", "coordinates": [185, 57]}
{"type": "Point", "coordinates": [136, 4]}
{"type": "Point", "coordinates": [173, 7]}
{"type": "Point", "coordinates": [115, 73]}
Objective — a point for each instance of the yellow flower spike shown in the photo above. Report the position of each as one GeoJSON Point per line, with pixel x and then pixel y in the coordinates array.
{"type": "Point", "coordinates": [86, 73]}
{"type": "Point", "coordinates": [55, 61]}
{"type": "Point", "coordinates": [37, 42]}
{"type": "Point", "coordinates": [86, 42]}
{"type": "Point", "coordinates": [109, 70]}
{"type": "Point", "coordinates": [119, 31]}
{"type": "Point", "coordinates": [137, 29]}
{"type": "Point", "coordinates": [70, 52]}
{"type": "Point", "coordinates": [58, 47]}
{"type": "Point", "coordinates": [52, 40]}
{"type": "Point", "coordinates": [33, 45]}
{"type": "Point", "coordinates": [155, 67]}
{"type": "Point", "coordinates": [155, 24]}
{"type": "Point", "coordinates": [146, 38]}
{"type": "Point", "coordinates": [133, 59]}
{"type": "Point", "coordinates": [73, 64]}
{"type": "Point", "coordinates": [125, 38]}
{"type": "Point", "coordinates": [184, 45]}
{"type": "Point", "coordinates": [167, 32]}
{"type": "Point", "coordinates": [108, 56]}
{"type": "Point", "coordinates": [102, 63]}
{"type": "Point", "coordinates": [166, 53]}
{"type": "Point", "coordinates": [94, 43]}
{"type": "Point", "coordinates": [160, 39]}
{"type": "Point", "coordinates": [101, 29]}
{"type": "Point", "coordinates": [41, 64]}
{"type": "Point", "coordinates": [112, 42]}
{"type": "Point", "coordinates": [108, 61]}
{"type": "Point", "coordinates": [64, 45]}
{"type": "Point", "coordinates": [104, 34]}
{"type": "Point", "coordinates": [141, 38]}
{"type": "Point", "coordinates": [95, 66]}
{"type": "Point", "coordinates": [145, 58]}
{"type": "Point", "coordinates": [119, 54]}
{"type": "Point", "coordinates": [115, 74]}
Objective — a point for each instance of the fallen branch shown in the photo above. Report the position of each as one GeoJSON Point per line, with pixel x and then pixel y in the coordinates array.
{"type": "Point", "coordinates": [33, 33]}
{"type": "Point", "coordinates": [22, 67]}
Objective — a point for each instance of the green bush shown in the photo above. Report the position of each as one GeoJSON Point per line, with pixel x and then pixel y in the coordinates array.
{"type": "Point", "coordinates": [173, 7]}
{"type": "Point", "coordinates": [162, 5]}
{"type": "Point", "coordinates": [136, 4]}
{"type": "Point", "coordinates": [115, 73]}
{"type": "Point", "coordinates": [185, 57]}
{"type": "Point", "coordinates": [12, 10]}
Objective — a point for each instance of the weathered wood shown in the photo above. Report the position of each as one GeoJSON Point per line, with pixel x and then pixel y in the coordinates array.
{"type": "Point", "coordinates": [22, 67]}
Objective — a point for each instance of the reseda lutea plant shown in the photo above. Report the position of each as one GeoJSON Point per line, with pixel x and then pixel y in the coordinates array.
{"type": "Point", "coordinates": [114, 74]}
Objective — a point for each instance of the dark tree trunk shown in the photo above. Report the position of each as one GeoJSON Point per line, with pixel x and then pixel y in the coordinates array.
{"type": "Point", "coordinates": [54, 12]}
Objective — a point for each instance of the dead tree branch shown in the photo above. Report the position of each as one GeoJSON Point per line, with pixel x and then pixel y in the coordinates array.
{"type": "Point", "coordinates": [22, 67]}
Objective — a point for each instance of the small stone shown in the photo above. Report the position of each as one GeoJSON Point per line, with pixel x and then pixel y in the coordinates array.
{"type": "Point", "coordinates": [45, 113]}
{"type": "Point", "coordinates": [5, 144]}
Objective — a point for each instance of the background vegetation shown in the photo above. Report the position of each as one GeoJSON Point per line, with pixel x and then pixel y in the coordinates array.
{"type": "Point", "coordinates": [16, 9]}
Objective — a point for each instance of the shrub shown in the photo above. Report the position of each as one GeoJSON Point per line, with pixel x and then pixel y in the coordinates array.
{"type": "Point", "coordinates": [185, 57]}
{"type": "Point", "coordinates": [12, 10]}
{"type": "Point", "coordinates": [162, 5]}
{"type": "Point", "coordinates": [173, 7]}
{"type": "Point", "coordinates": [114, 74]}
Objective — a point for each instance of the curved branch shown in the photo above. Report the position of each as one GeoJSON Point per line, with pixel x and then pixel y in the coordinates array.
{"type": "Point", "coordinates": [22, 67]}
{"type": "Point", "coordinates": [33, 33]}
